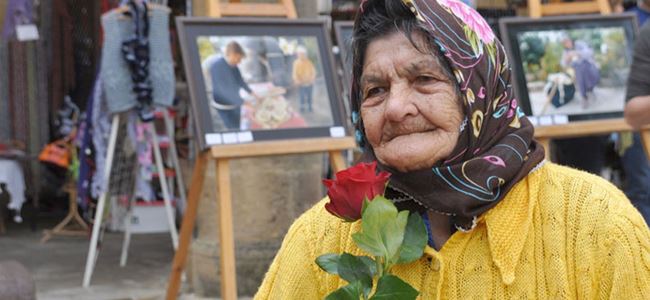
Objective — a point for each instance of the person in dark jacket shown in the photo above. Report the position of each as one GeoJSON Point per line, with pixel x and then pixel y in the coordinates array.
{"type": "Point", "coordinates": [226, 84]}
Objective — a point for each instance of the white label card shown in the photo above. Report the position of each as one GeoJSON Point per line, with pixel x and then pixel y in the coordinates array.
{"type": "Point", "coordinates": [230, 138]}
{"type": "Point", "coordinates": [534, 120]}
{"type": "Point", "coordinates": [213, 139]}
{"type": "Point", "coordinates": [337, 131]}
{"type": "Point", "coordinates": [245, 137]}
{"type": "Point", "coordinates": [545, 120]}
{"type": "Point", "coordinates": [28, 32]}
{"type": "Point", "coordinates": [560, 119]}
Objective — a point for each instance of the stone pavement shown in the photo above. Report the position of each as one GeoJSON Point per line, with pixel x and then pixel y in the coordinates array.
{"type": "Point", "coordinates": [58, 265]}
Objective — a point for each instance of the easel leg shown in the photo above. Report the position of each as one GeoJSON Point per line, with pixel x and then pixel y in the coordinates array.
{"type": "Point", "coordinates": [127, 231]}
{"type": "Point", "coordinates": [177, 166]}
{"type": "Point", "coordinates": [336, 161]}
{"type": "Point", "coordinates": [92, 250]}
{"type": "Point", "coordinates": [226, 239]}
{"type": "Point", "coordinates": [189, 218]}
{"type": "Point", "coordinates": [163, 184]}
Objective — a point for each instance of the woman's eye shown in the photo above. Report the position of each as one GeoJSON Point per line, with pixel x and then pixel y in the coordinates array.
{"type": "Point", "coordinates": [424, 78]}
{"type": "Point", "coordinates": [374, 91]}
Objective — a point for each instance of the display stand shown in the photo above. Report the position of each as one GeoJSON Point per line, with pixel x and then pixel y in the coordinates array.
{"type": "Point", "coordinates": [221, 156]}
{"type": "Point", "coordinates": [101, 204]}
{"type": "Point", "coordinates": [64, 228]}
{"type": "Point", "coordinates": [234, 8]}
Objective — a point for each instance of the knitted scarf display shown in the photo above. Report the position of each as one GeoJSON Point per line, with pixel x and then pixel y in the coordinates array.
{"type": "Point", "coordinates": [137, 55]}
{"type": "Point", "coordinates": [495, 149]}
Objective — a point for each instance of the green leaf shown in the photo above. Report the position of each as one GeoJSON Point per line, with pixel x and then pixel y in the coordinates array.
{"type": "Point", "coordinates": [349, 292]}
{"type": "Point", "coordinates": [369, 244]}
{"type": "Point", "coordinates": [391, 287]}
{"type": "Point", "coordinates": [364, 204]}
{"type": "Point", "coordinates": [393, 236]}
{"type": "Point", "coordinates": [415, 239]}
{"type": "Point", "coordinates": [354, 269]}
{"type": "Point", "coordinates": [382, 229]}
{"type": "Point", "coordinates": [372, 265]}
{"type": "Point", "coordinates": [329, 263]}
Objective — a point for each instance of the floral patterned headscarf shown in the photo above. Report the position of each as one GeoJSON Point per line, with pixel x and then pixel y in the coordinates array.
{"type": "Point", "coordinates": [495, 149]}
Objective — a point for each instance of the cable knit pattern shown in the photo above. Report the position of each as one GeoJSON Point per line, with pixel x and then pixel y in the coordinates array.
{"type": "Point", "coordinates": [558, 234]}
{"type": "Point", "coordinates": [115, 72]}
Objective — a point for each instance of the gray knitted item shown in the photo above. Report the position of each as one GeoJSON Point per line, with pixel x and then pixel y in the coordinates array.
{"type": "Point", "coordinates": [115, 73]}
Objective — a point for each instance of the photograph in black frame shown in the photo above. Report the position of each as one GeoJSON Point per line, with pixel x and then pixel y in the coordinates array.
{"type": "Point", "coordinates": [574, 66]}
{"type": "Point", "coordinates": [260, 79]}
{"type": "Point", "coordinates": [343, 32]}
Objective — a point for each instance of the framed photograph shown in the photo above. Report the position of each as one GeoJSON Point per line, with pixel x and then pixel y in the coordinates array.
{"type": "Point", "coordinates": [343, 31]}
{"type": "Point", "coordinates": [260, 79]}
{"type": "Point", "coordinates": [570, 68]}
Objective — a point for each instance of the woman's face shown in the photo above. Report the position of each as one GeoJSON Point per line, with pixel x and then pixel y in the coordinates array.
{"type": "Point", "coordinates": [410, 109]}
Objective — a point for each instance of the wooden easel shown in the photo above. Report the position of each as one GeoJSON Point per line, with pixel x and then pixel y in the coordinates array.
{"type": "Point", "coordinates": [221, 156]}
{"type": "Point", "coordinates": [536, 9]}
{"type": "Point", "coordinates": [234, 8]}
{"type": "Point", "coordinates": [544, 134]}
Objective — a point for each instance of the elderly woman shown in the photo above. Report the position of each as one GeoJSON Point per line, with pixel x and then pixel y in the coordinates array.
{"type": "Point", "coordinates": [434, 106]}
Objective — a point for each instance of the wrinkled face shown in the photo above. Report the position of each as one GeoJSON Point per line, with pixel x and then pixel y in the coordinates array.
{"type": "Point", "coordinates": [410, 109]}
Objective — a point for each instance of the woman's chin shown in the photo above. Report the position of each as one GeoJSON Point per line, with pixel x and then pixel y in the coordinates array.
{"type": "Point", "coordinates": [407, 162]}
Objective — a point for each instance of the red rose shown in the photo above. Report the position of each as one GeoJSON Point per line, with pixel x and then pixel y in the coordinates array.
{"type": "Point", "coordinates": [351, 187]}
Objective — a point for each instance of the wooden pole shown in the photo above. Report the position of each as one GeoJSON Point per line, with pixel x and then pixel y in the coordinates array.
{"type": "Point", "coordinates": [226, 241]}
{"type": "Point", "coordinates": [187, 227]}
{"type": "Point", "coordinates": [336, 161]}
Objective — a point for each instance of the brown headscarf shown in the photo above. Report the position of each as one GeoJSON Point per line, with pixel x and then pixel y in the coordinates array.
{"type": "Point", "coordinates": [495, 148]}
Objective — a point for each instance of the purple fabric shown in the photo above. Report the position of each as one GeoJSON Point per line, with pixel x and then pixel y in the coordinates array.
{"type": "Point", "coordinates": [18, 12]}
{"type": "Point", "coordinates": [587, 73]}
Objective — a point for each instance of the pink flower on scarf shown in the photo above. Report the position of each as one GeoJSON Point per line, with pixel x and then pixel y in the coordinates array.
{"type": "Point", "coordinates": [470, 17]}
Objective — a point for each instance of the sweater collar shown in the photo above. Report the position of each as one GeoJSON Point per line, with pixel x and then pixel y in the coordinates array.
{"type": "Point", "coordinates": [509, 223]}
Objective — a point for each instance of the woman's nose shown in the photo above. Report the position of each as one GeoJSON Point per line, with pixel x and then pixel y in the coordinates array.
{"type": "Point", "coordinates": [400, 103]}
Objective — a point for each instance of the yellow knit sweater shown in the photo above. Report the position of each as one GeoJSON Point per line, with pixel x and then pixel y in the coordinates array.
{"type": "Point", "coordinates": [558, 234]}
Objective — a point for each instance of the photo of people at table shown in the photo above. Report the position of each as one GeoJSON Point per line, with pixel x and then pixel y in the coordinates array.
{"type": "Point", "coordinates": [264, 82]}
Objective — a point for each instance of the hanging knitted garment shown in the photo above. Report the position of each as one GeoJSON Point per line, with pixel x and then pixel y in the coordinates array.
{"type": "Point", "coordinates": [115, 70]}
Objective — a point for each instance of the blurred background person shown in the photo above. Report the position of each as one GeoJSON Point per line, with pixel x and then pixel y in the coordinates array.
{"type": "Point", "coordinates": [637, 114]}
{"type": "Point", "coordinates": [304, 76]}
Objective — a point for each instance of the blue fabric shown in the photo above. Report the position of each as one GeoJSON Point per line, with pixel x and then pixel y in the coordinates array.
{"type": "Point", "coordinates": [641, 15]}
{"type": "Point", "coordinates": [306, 98]}
{"type": "Point", "coordinates": [231, 118]}
{"type": "Point", "coordinates": [226, 83]}
{"type": "Point", "coordinates": [19, 12]}
{"type": "Point", "coordinates": [637, 177]}
{"type": "Point", "coordinates": [427, 224]}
